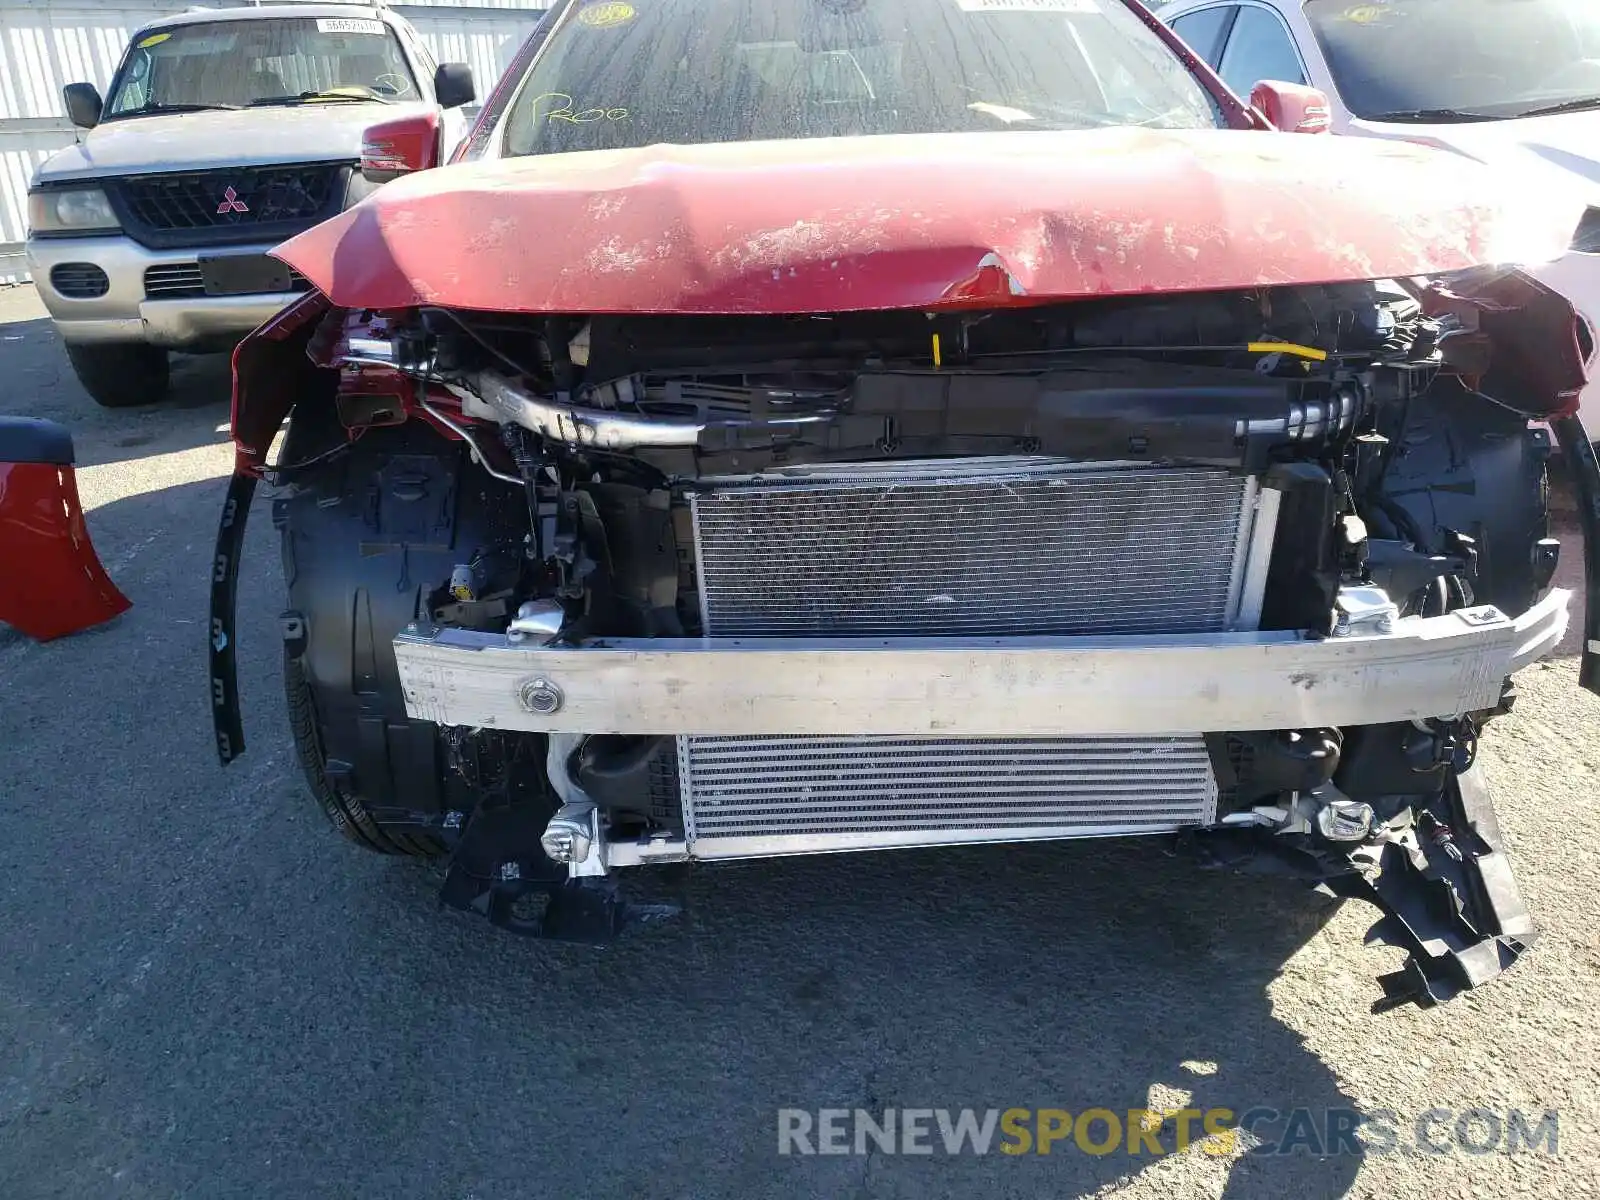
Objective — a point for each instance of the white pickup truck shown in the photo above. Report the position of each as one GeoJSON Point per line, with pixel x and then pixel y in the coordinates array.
{"type": "Point", "coordinates": [222, 134]}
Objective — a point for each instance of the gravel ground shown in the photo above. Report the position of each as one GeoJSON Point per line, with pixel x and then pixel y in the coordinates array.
{"type": "Point", "coordinates": [202, 991]}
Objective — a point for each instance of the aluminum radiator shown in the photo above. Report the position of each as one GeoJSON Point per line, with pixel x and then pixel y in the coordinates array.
{"type": "Point", "coordinates": [969, 547]}
{"type": "Point", "coordinates": [972, 546]}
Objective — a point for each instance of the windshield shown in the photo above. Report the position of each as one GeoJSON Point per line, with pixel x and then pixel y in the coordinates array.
{"type": "Point", "coordinates": [1460, 59]}
{"type": "Point", "coordinates": [617, 75]}
{"type": "Point", "coordinates": [237, 64]}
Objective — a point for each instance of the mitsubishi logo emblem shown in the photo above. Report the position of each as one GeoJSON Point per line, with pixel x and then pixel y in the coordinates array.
{"type": "Point", "coordinates": [231, 204]}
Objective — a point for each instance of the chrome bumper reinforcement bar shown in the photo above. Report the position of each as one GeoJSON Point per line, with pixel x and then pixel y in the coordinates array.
{"type": "Point", "coordinates": [977, 687]}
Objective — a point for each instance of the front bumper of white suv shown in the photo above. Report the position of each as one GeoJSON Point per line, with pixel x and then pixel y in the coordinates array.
{"type": "Point", "coordinates": [110, 289]}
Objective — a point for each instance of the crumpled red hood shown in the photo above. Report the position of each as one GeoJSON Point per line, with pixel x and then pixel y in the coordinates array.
{"type": "Point", "coordinates": [922, 222]}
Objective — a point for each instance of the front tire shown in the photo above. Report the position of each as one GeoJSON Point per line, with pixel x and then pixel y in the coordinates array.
{"type": "Point", "coordinates": [122, 375]}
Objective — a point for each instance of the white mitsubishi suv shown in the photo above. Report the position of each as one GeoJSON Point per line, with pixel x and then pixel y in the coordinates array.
{"type": "Point", "coordinates": [223, 133]}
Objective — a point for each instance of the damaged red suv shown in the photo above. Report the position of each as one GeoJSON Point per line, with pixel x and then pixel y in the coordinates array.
{"type": "Point", "coordinates": [799, 426]}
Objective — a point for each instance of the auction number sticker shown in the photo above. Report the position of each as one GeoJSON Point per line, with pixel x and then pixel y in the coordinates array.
{"type": "Point", "coordinates": [1052, 6]}
{"type": "Point", "coordinates": [607, 15]}
{"type": "Point", "coordinates": [349, 25]}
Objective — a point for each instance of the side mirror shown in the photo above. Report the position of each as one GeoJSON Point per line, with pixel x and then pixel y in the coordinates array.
{"type": "Point", "coordinates": [400, 147]}
{"type": "Point", "coordinates": [1292, 107]}
{"type": "Point", "coordinates": [83, 104]}
{"type": "Point", "coordinates": [453, 86]}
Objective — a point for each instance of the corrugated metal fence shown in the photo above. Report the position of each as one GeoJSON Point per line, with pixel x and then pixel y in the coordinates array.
{"type": "Point", "coordinates": [45, 44]}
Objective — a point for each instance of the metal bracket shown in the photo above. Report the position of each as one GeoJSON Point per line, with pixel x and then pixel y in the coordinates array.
{"type": "Point", "coordinates": [1364, 610]}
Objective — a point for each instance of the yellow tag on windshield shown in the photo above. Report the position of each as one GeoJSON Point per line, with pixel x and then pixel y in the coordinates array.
{"type": "Point", "coordinates": [607, 15]}
{"type": "Point", "coordinates": [1364, 14]}
{"type": "Point", "coordinates": [155, 39]}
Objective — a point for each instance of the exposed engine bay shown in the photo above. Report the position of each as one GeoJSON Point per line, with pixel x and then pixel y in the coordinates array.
{"type": "Point", "coordinates": [1247, 569]}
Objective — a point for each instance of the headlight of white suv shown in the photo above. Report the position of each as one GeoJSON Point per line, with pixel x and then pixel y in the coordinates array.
{"type": "Point", "coordinates": [81, 210]}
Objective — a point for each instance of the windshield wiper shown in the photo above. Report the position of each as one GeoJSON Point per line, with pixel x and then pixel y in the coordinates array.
{"type": "Point", "coordinates": [1580, 104]}
{"type": "Point", "coordinates": [304, 97]}
{"type": "Point", "coordinates": [177, 108]}
{"type": "Point", "coordinates": [1420, 115]}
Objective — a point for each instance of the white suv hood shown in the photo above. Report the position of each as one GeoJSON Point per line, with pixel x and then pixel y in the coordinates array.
{"type": "Point", "coordinates": [1562, 150]}
{"type": "Point", "coordinates": [1550, 156]}
{"type": "Point", "coordinates": [244, 137]}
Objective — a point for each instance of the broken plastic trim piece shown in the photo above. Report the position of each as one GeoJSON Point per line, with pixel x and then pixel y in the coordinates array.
{"type": "Point", "coordinates": [499, 871]}
{"type": "Point", "coordinates": [1442, 882]}
{"type": "Point", "coordinates": [1448, 897]}
{"type": "Point", "coordinates": [225, 714]}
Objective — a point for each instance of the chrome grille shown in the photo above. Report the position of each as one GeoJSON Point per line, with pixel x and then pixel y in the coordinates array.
{"type": "Point", "coordinates": [754, 796]}
{"type": "Point", "coordinates": [972, 546]}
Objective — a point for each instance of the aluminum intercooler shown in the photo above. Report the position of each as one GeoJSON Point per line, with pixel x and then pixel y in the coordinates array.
{"type": "Point", "coordinates": [794, 795]}
{"type": "Point", "coordinates": [963, 548]}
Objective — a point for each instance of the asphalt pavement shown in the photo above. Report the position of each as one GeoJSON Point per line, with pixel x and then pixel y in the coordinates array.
{"type": "Point", "coordinates": [204, 992]}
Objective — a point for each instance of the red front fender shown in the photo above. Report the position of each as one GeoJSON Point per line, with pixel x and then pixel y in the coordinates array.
{"type": "Point", "coordinates": [51, 581]}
